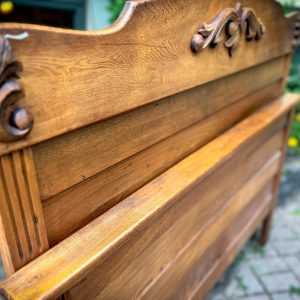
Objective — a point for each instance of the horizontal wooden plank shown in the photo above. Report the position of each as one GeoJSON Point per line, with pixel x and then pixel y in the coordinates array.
{"type": "Point", "coordinates": [72, 209]}
{"type": "Point", "coordinates": [116, 139]}
{"type": "Point", "coordinates": [206, 272]}
{"type": "Point", "coordinates": [73, 79]}
{"type": "Point", "coordinates": [162, 286]}
{"type": "Point", "coordinates": [94, 243]}
{"type": "Point", "coordinates": [195, 211]}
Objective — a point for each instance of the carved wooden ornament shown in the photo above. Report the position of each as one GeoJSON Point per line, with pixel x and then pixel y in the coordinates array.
{"type": "Point", "coordinates": [228, 27]}
{"type": "Point", "coordinates": [15, 122]}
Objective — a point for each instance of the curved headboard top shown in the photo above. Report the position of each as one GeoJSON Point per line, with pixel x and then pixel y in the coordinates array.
{"type": "Point", "coordinates": [155, 49]}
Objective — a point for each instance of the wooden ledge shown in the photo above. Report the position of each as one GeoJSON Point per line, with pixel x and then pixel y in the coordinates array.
{"type": "Point", "coordinates": [63, 266]}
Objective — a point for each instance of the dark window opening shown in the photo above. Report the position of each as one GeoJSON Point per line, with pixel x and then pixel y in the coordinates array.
{"type": "Point", "coordinates": [40, 16]}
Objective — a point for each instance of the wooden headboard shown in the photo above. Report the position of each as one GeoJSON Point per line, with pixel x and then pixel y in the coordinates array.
{"type": "Point", "coordinates": [88, 117]}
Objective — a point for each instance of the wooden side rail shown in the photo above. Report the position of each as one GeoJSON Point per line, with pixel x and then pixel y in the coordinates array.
{"type": "Point", "coordinates": [114, 242]}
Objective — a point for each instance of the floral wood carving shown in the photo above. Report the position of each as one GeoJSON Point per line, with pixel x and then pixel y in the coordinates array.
{"type": "Point", "coordinates": [229, 27]}
{"type": "Point", "coordinates": [15, 122]}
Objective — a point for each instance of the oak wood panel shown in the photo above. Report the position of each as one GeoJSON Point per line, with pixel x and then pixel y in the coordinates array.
{"type": "Point", "coordinates": [162, 286]}
{"type": "Point", "coordinates": [24, 234]}
{"type": "Point", "coordinates": [201, 278]}
{"type": "Point", "coordinates": [116, 139]}
{"type": "Point", "coordinates": [94, 243]}
{"type": "Point", "coordinates": [142, 58]}
{"type": "Point", "coordinates": [72, 209]}
{"type": "Point", "coordinates": [130, 278]}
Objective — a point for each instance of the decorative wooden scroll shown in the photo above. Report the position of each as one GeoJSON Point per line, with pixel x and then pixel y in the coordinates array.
{"type": "Point", "coordinates": [229, 26]}
{"type": "Point", "coordinates": [16, 122]}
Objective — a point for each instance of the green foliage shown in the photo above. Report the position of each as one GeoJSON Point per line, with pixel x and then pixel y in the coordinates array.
{"type": "Point", "coordinates": [115, 7]}
{"type": "Point", "coordinates": [295, 290]}
{"type": "Point", "coordinates": [293, 87]}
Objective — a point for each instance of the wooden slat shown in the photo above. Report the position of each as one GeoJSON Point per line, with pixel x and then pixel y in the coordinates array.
{"type": "Point", "coordinates": [70, 210]}
{"type": "Point", "coordinates": [196, 209]}
{"type": "Point", "coordinates": [201, 278]}
{"type": "Point", "coordinates": [78, 78]}
{"type": "Point", "coordinates": [114, 140]}
{"type": "Point", "coordinates": [22, 224]}
{"type": "Point", "coordinates": [93, 244]}
{"type": "Point", "coordinates": [162, 286]}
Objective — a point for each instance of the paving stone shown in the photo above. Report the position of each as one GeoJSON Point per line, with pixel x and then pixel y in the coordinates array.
{"type": "Point", "coordinates": [234, 290]}
{"type": "Point", "coordinates": [284, 296]}
{"type": "Point", "coordinates": [255, 251]}
{"type": "Point", "coordinates": [216, 296]}
{"type": "Point", "coordinates": [283, 233]}
{"type": "Point", "coordinates": [242, 286]}
{"type": "Point", "coordinates": [269, 265]}
{"type": "Point", "coordinates": [294, 263]}
{"type": "Point", "coordinates": [287, 248]}
{"type": "Point", "coordinates": [281, 282]}
{"type": "Point", "coordinates": [256, 297]}
{"type": "Point", "coordinates": [281, 296]}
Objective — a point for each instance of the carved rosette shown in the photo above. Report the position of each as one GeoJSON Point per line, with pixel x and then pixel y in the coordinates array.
{"type": "Point", "coordinates": [15, 122]}
{"type": "Point", "coordinates": [229, 27]}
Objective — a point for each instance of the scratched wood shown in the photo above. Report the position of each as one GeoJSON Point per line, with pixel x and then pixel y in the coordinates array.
{"type": "Point", "coordinates": [78, 78]}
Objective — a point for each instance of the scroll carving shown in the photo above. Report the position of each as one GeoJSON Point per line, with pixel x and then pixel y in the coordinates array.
{"type": "Point", "coordinates": [15, 122]}
{"type": "Point", "coordinates": [229, 27]}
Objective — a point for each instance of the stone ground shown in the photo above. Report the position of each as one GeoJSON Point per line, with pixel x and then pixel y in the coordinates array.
{"type": "Point", "coordinates": [271, 272]}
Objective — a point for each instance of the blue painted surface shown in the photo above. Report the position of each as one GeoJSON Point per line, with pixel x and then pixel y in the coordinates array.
{"type": "Point", "coordinates": [97, 15]}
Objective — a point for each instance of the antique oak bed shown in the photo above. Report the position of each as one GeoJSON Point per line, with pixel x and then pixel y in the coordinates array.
{"type": "Point", "coordinates": [137, 160]}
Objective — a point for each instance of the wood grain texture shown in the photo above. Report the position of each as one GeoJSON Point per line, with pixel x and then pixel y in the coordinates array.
{"type": "Point", "coordinates": [231, 241]}
{"type": "Point", "coordinates": [140, 264]}
{"type": "Point", "coordinates": [21, 211]}
{"type": "Point", "coordinates": [72, 209]}
{"type": "Point", "coordinates": [170, 277]}
{"type": "Point", "coordinates": [143, 57]}
{"type": "Point", "coordinates": [116, 139]}
{"type": "Point", "coordinates": [93, 244]}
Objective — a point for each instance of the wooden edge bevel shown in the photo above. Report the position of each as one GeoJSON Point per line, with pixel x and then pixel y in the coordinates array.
{"type": "Point", "coordinates": [81, 257]}
{"type": "Point", "coordinates": [23, 232]}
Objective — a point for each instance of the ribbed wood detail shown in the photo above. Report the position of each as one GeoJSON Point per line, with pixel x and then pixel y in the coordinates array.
{"type": "Point", "coordinates": [24, 236]}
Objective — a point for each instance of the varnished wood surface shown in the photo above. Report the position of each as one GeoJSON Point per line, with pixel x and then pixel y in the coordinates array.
{"type": "Point", "coordinates": [121, 137]}
{"type": "Point", "coordinates": [67, 212]}
{"type": "Point", "coordinates": [78, 78]}
{"type": "Point", "coordinates": [143, 270]}
{"type": "Point", "coordinates": [93, 244]}
{"type": "Point", "coordinates": [21, 211]}
{"type": "Point", "coordinates": [235, 237]}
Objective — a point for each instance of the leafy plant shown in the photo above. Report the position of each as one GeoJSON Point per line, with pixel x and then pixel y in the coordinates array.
{"type": "Point", "coordinates": [295, 290]}
{"type": "Point", "coordinates": [115, 7]}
